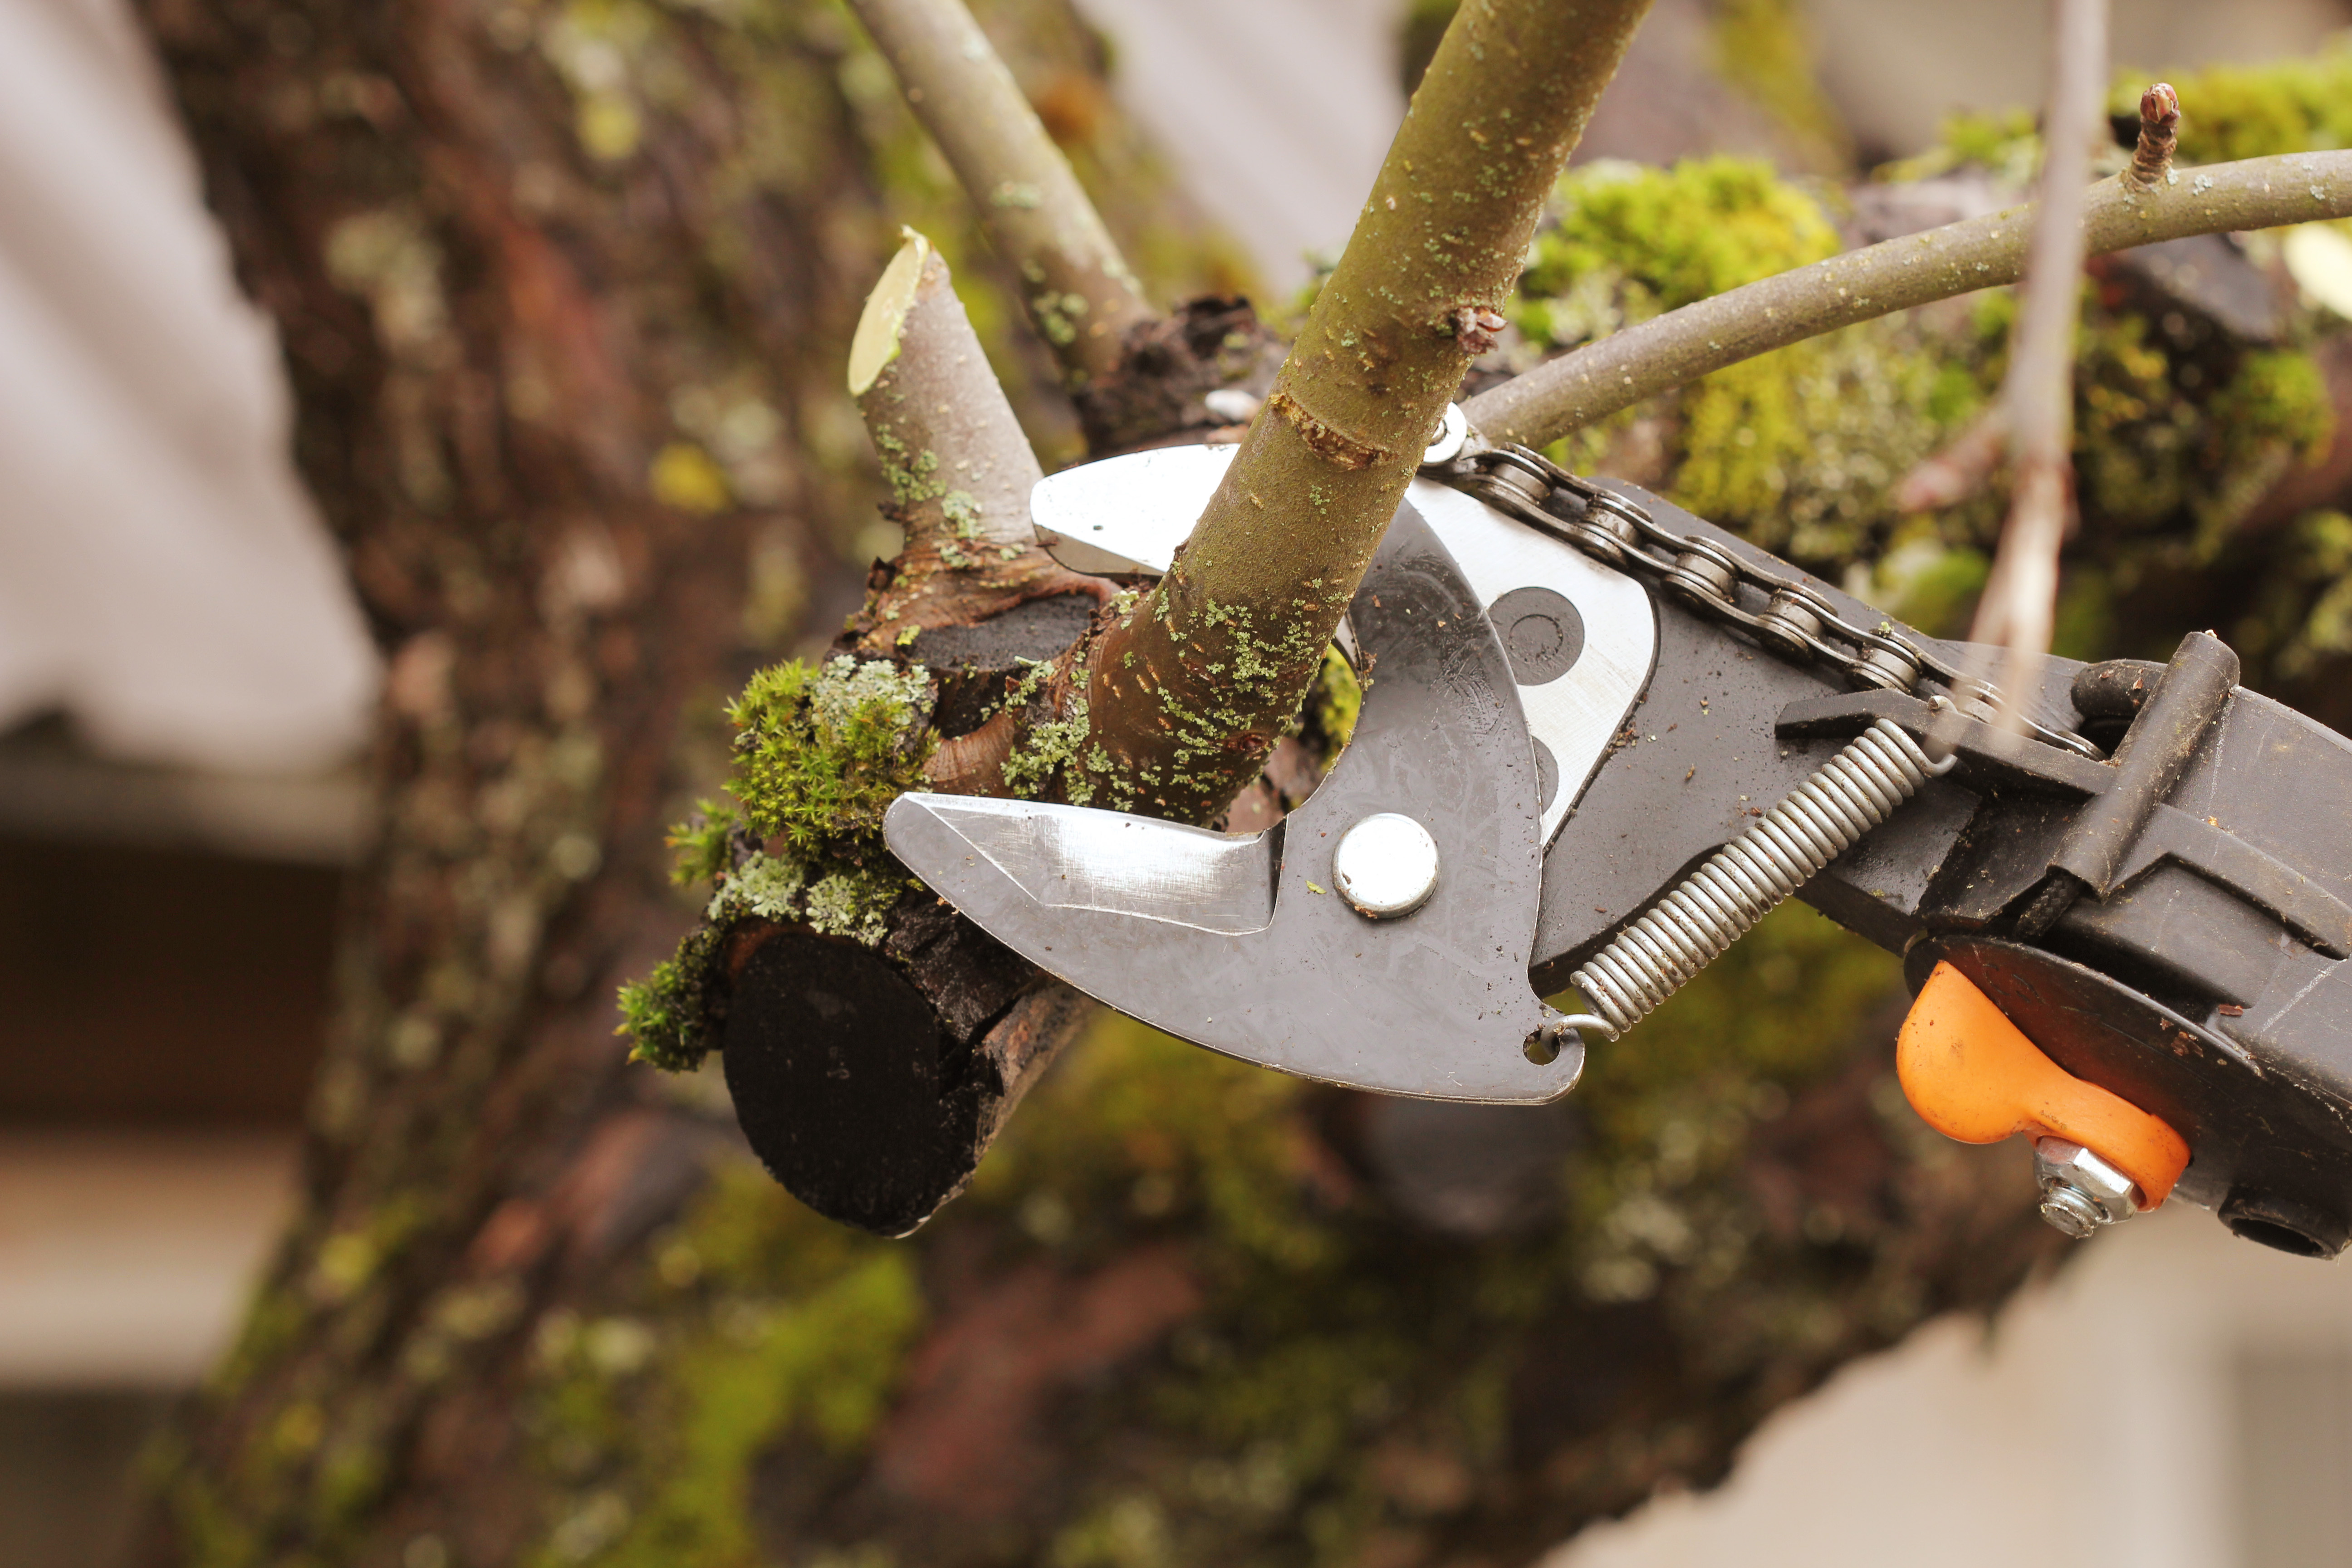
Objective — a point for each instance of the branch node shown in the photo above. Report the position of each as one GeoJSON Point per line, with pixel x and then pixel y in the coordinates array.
{"type": "Point", "coordinates": [1333, 446]}
{"type": "Point", "coordinates": [2160, 132]}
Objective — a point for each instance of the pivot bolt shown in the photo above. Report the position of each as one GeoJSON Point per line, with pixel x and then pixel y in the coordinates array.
{"type": "Point", "coordinates": [1385, 866]}
{"type": "Point", "coordinates": [2081, 1191]}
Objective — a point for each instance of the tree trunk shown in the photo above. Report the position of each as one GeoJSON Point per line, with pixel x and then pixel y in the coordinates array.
{"type": "Point", "coordinates": [565, 296]}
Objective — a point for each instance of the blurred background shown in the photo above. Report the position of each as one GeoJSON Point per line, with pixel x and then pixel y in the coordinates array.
{"type": "Point", "coordinates": [185, 685]}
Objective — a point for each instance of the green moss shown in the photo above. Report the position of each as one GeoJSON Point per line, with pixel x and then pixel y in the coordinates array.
{"type": "Point", "coordinates": [1333, 703]}
{"type": "Point", "coordinates": [761, 1325]}
{"type": "Point", "coordinates": [702, 846]}
{"type": "Point", "coordinates": [820, 753]}
{"type": "Point", "coordinates": [662, 1015]}
{"type": "Point", "coordinates": [1801, 450]}
{"type": "Point", "coordinates": [1665, 237]}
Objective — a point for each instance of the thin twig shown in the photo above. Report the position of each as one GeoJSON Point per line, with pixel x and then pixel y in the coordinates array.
{"type": "Point", "coordinates": [1666, 352]}
{"type": "Point", "coordinates": [2020, 601]}
{"type": "Point", "coordinates": [1076, 288]}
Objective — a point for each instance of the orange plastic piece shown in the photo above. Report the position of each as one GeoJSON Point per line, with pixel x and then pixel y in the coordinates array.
{"type": "Point", "coordinates": [1972, 1075]}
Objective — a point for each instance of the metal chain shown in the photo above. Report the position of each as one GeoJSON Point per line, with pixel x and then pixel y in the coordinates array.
{"type": "Point", "coordinates": [1796, 622]}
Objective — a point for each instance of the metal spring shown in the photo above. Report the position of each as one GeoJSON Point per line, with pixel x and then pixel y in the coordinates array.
{"type": "Point", "coordinates": [1742, 882]}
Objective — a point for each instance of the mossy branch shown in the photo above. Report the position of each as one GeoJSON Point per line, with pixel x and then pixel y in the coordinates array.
{"type": "Point", "coordinates": [1181, 698]}
{"type": "Point", "coordinates": [1075, 287]}
{"type": "Point", "coordinates": [806, 896]}
{"type": "Point", "coordinates": [1666, 351]}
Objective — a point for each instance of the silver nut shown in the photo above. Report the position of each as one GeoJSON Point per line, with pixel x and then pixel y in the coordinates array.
{"type": "Point", "coordinates": [1453, 434]}
{"type": "Point", "coordinates": [2080, 1190]}
{"type": "Point", "coordinates": [1385, 866]}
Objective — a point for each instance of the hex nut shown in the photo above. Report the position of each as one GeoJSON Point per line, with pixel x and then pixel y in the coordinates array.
{"type": "Point", "coordinates": [2080, 1190]}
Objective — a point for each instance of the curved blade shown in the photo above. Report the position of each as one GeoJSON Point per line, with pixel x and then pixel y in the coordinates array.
{"type": "Point", "coordinates": [1434, 1003]}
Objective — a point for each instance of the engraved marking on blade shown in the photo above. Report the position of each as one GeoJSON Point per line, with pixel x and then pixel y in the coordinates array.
{"type": "Point", "coordinates": [1072, 857]}
{"type": "Point", "coordinates": [1573, 714]}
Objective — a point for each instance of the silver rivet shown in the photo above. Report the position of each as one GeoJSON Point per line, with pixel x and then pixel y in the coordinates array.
{"type": "Point", "coordinates": [1385, 866]}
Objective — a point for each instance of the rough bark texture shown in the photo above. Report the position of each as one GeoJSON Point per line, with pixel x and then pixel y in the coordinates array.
{"type": "Point", "coordinates": [566, 294]}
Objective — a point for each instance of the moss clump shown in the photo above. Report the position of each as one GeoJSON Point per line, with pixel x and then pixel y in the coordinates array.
{"type": "Point", "coordinates": [663, 1014]}
{"type": "Point", "coordinates": [1662, 238]}
{"type": "Point", "coordinates": [820, 753]}
{"type": "Point", "coordinates": [1333, 705]}
{"type": "Point", "coordinates": [2176, 434]}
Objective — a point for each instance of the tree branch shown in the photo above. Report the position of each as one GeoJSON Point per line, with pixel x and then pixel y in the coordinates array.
{"type": "Point", "coordinates": [1076, 288]}
{"type": "Point", "coordinates": [2037, 394]}
{"type": "Point", "coordinates": [1183, 697]}
{"type": "Point", "coordinates": [1619, 371]}
{"type": "Point", "coordinates": [930, 1036]}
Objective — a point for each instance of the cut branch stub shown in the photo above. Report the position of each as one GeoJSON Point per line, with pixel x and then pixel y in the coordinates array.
{"type": "Point", "coordinates": [1075, 285]}
{"type": "Point", "coordinates": [870, 1078]}
{"type": "Point", "coordinates": [958, 467]}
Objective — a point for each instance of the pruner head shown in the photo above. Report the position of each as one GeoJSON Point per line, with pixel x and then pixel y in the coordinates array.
{"type": "Point", "coordinates": [1377, 938]}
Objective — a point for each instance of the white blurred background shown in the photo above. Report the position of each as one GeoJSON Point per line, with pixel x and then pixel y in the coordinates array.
{"type": "Point", "coordinates": [184, 681]}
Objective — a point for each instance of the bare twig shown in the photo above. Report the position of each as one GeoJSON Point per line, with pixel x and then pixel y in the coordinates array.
{"type": "Point", "coordinates": [2160, 132]}
{"type": "Point", "coordinates": [1666, 352]}
{"type": "Point", "coordinates": [2037, 396]}
{"type": "Point", "coordinates": [1075, 285]}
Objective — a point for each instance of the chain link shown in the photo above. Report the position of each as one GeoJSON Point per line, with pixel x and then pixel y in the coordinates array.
{"type": "Point", "coordinates": [1796, 622]}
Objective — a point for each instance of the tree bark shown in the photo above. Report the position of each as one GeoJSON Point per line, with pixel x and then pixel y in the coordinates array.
{"type": "Point", "coordinates": [565, 296]}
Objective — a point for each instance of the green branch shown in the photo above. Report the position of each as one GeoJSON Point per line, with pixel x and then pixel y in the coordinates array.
{"type": "Point", "coordinates": [1666, 351]}
{"type": "Point", "coordinates": [1183, 697]}
{"type": "Point", "coordinates": [1076, 288]}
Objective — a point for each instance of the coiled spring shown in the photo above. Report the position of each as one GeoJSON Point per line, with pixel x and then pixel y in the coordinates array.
{"type": "Point", "coordinates": [1742, 882]}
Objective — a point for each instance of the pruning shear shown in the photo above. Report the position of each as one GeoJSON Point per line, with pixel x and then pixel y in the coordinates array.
{"type": "Point", "coordinates": [1602, 737]}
